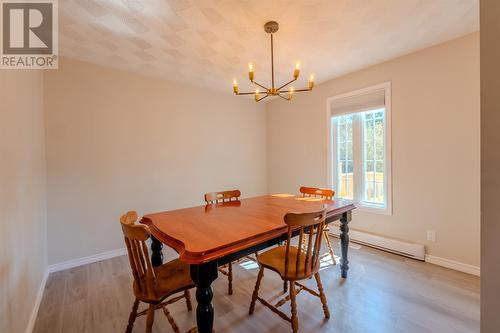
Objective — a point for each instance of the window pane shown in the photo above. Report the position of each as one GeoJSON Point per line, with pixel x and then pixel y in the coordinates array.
{"type": "Point", "coordinates": [369, 165]}
{"type": "Point", "coordinates": [349, 129]}
{"type": "Point", "coordinates": [344, 156]}
{"type": "Point", "coordinates": [368, 129]}
{"type": "Point", "coordinates": [379, 150]}
{"type": "Point", "coordinates": [342, 132]}
{"type": "Point", "coordinates": [349, 150]}
{"type": "Point", "coordinates": [379, 191]}
{"type": "Point", "coordinates": [379, 139]}
{"type": "Point", "coordinates": [342, 150]}
{"type": "Point", "coordinates": [350, 167]}
{"type": "Point", "coordinates": [369, 150]}
{"type": "Point", "coordinates": [369, 191]}
{"type": "Point", "coordinates": [373, 155]}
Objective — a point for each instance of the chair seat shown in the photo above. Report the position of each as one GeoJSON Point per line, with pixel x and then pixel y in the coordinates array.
{"type": "Point", "coordinates": [274, 259]}
{"type": "Point", "coordinates": [171, 277]}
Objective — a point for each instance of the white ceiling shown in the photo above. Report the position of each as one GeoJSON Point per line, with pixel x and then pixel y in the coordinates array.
{"type": "Point", "coordinates": [210, 42]}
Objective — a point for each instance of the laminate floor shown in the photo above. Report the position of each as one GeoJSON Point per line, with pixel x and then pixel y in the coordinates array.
{"type": "Point", "coordinates": [383, 293]}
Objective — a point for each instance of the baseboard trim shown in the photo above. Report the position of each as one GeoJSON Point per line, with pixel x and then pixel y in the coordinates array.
{"type": "Point", "coordinates": [38, 301]}
{"type": "Point", "coordinates": [86, 260]}
{"type": "Point", "coordinates": [397, 246]}
{"type": "Point", "coordinates": [62, 266]}
{"type": "Point", "coordinates": [358, 236]}
{"type": "Point", "coordinates": [452, 264]}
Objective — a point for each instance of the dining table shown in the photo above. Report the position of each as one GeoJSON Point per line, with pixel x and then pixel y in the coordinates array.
{"type": "Point", "coordinates": [210, 236]}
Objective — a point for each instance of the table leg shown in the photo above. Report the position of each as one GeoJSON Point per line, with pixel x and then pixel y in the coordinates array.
{"type": "Point", "coordinates": [156, 254]}
{"type": "Point", "coordinates": [344, 243]}
{"type": "Point", "coordinates": [203, 275]}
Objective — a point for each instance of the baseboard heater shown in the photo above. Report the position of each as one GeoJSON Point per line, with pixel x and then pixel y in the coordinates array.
{"type": "Point", "coordinates": [407, 249]}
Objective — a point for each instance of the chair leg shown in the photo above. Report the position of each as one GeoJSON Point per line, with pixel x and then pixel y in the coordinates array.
{"type": "Point", "coordinates": [171, 320]}
{"type": "Point", "coordinates": [133, 315]}
{"type": "Point", "coordinates": [293, 305]}
{"type": "Point", "coordinates": [230, 279]}
{"type": "Point", "coordinates": [256, 291]}
{"type": "Point", "coordinates": [285, 287]}
{"type": "Point", "coordinates": [322, 296]}
{"type": "Point", "coordinates": [150, 319]}
{"type": "Point", "coordinates": [187, 295]}
{"type": "Point", "coordinates": [329, 245]}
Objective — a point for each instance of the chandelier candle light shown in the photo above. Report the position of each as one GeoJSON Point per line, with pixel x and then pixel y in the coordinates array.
{"type": "Point", "coordinates": [271, 28]}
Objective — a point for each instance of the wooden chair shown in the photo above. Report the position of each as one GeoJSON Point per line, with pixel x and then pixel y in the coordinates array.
{"type": "Point", "coordinates": [224, 196]}
{"type": "Point", "coordinates": [153, 285]}
{"type": "Point", "coordinates": [326, 194]}
{"type": "Point", "coordinates": [295, 263]}
{"type": "Point", "coordinates": [220, 197]}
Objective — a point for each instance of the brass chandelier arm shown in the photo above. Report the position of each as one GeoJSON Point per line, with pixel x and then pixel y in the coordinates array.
{"type": "Point", "coordinates": [294, 91]}
{"type": "Point", "coordinates": [260, 99]}
{"type": "Point", "coordinates": [245, 93]}
{"type": "Point", "coordinates": [260, 85]}
{"type": "Point", "coordinates": [252, 93]}
{"type": "Point", "coordinates": [285, 98]}
{"type": "Point", "coordinates": [283, 86]}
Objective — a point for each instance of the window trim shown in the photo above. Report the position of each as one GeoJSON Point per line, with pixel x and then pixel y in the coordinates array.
{"type": "Point", "coordinates": [331, 151]}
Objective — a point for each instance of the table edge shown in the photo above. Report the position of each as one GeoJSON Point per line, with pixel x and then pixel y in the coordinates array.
{"type": "Point", "coordinates": [207, 256]}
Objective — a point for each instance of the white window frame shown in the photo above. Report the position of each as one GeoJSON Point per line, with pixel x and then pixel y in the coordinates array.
{"type": "Point", "coordinates": [357, 151]}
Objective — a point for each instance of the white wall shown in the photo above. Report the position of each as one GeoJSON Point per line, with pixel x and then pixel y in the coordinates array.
{"type": "Point", "coordinates": [23, 238]}
{"type": "Point", "coordinates": [435, 145]}
{"type": "Point", "coordinates": [118, 141]}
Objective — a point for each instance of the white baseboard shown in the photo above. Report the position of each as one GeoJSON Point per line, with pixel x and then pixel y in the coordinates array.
{"type": "Point", "coordinates": [38, 301]}
{"type": "Point", "coordinates": [405, 249]}
{"type": "Point", "coordinates": [452, 264]}
{"type": "Point", "coordinates": [401, 247]}
{"type": "Point", "coordinates": [87, 260]}
{"type": "Point", "coordinates": [62, 266]}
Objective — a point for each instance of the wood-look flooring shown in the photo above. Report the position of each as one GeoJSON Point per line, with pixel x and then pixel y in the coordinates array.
{"type": "Point", "coordinates": [383, 293]}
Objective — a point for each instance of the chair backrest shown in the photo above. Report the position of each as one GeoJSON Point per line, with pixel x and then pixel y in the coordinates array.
{"type": "Point", "coordinates": [311, 227]}
{"type": "Point", "coordinates": [324, 193]}
{"type": "Point", "coordinates": [224, 196]}
{"type": "Point", "coordinates": [136, 236]}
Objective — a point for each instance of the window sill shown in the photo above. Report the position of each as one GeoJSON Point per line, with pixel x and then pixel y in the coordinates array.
{"type": "Point", "coordinates": [370, 208]}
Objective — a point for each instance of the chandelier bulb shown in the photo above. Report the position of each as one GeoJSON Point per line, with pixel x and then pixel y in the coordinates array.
{"type": "Point", "coordinates": [235, 86]}
{"type": "Point", "coordinates": [250, 71]}
{"type": "Point", "coordinates": [311, 81]}
{"type": "Point", "coordinates": [296, 70]}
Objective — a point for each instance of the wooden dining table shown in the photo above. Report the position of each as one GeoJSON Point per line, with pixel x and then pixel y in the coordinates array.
{"type": "Point", "coordinates": [213, 235]}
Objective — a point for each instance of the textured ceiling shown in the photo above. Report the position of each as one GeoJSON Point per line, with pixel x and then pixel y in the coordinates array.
{"type": "Point", "coordinates": [210, 42]}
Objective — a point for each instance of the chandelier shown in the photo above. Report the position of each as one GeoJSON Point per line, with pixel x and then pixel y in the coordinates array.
{"type": "Point", "coordinates": [271, 28]}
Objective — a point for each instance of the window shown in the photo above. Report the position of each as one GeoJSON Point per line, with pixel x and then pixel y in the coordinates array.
{"type": "Point", "coordinates": [359, 147]}
{"type": "Point", "coordinates": [345, 163]}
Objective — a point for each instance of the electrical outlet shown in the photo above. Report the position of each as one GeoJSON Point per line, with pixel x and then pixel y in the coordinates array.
{"type": "Point", "coordinates": [431, 235]}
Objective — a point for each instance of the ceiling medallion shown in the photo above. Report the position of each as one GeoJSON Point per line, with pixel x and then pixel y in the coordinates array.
{"type": "Point", "coordinates": [271, 28]}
